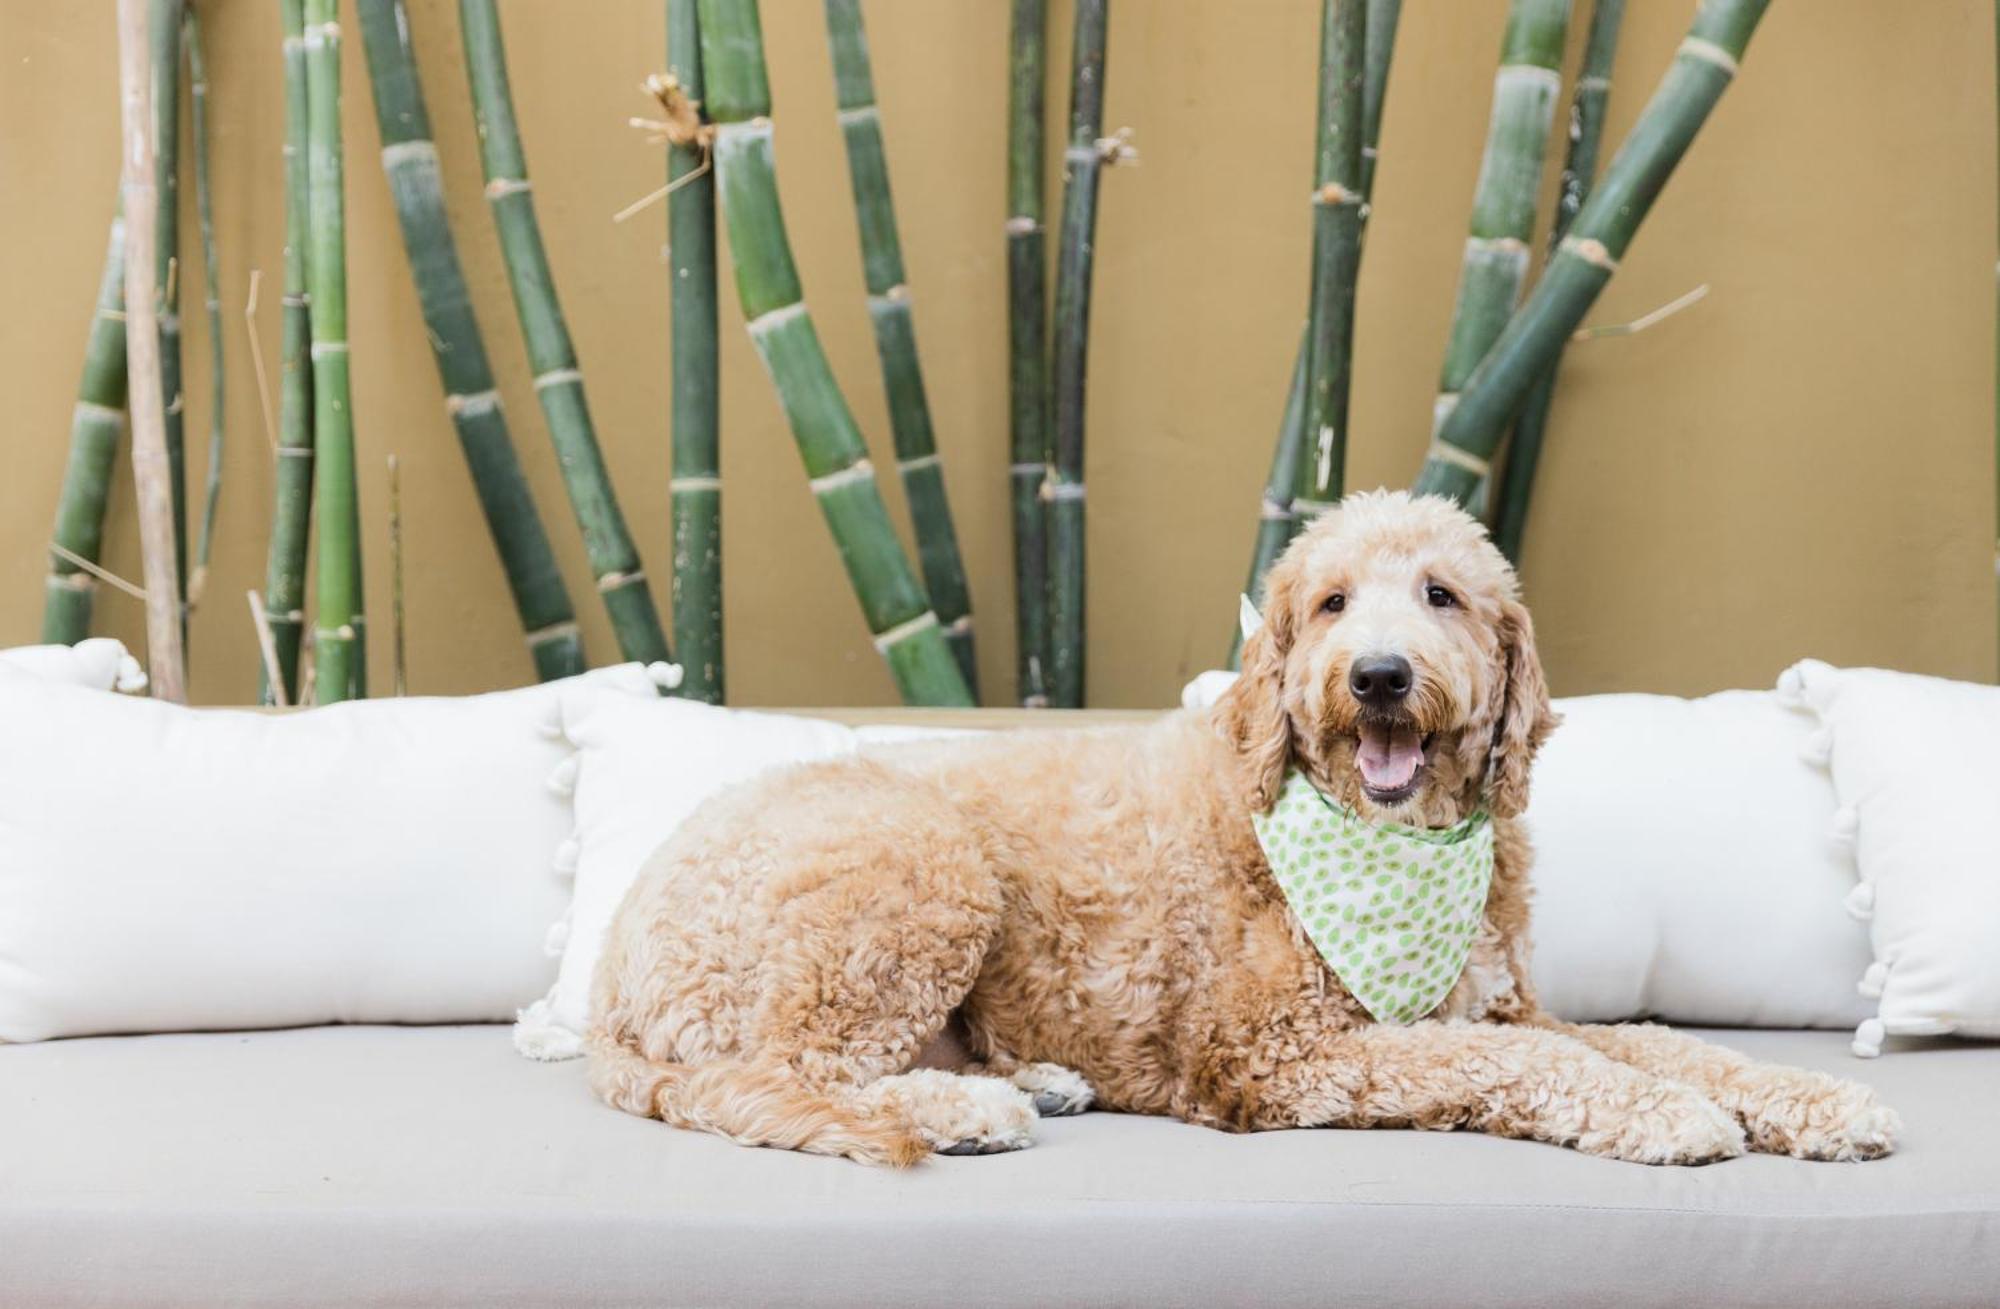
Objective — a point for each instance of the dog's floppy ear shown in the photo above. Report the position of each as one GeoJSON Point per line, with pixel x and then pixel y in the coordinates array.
{"type": "Point", "coordinates": [1251, 714]}
{"type": "Point", "coordinates": [1525, 718]}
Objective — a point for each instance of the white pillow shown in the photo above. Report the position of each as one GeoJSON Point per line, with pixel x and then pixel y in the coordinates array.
{"type": "Point", "coordinates": [1918, 780]}
{"type": "Point", "coordinates": [173, 869]}
{"type": "Point", "coordinates": [1682, 868]}
{"type": "Point", "coordinates": [639, 771]}
{"type": "Point", "coordinates": [99, 662]}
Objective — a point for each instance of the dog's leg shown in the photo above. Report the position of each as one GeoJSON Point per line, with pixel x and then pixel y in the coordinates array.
{"type": "Point", "coordinates": [1507, 1081]}
{"type": "Point", "coordinates": [1784, 1110]}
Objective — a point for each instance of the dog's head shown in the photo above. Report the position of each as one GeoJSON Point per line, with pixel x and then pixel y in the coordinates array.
{"type": "Point", "coordinates": [1396, 665]}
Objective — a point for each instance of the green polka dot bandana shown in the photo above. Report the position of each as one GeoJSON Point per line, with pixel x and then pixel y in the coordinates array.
{"type": "Point", "coordinates": [1391, 909]}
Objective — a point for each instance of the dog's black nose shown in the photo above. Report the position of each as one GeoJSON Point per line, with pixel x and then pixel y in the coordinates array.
{"type": "Point", "coordinates": [1379, 681]}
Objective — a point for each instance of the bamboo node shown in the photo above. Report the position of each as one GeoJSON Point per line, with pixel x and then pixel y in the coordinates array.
{"type": "Point", "coordinates": [553, 632]}
{"type": "Point", "coordinates": [1549, 78]}
{"type": "Point", "coordinates": [1591, 251]}
{"type": "Point", "coordinates": [502, 187]}
{"type": "Point", "coordinates": [857, 114]}
{"type": "Point", "coordinates": [772, 319]}
{"type": "Point", "coordinates": [1511, 246]}
{"type": "Point", "coordinates": [1333, 193]}
{"type": "Point", "coordinates": [558, 377]}
{"type": "Point", "coordinates": [1709, 53]}
{"type": "Point", "coordinates": [904, 631]}
{"type": "Point", "coordinates": [960, 626]}
{"type": "Point", "coordinates": [613, 580]}
{"type": "Point", "coordinates": [1023, 225]}
{"type": "Point", "coordinates": [92, 409]}
{"type": "Point", "coordinates": [1445, 453]}
{"type": "Point", "coordinates": [1054, 491]}
{"type": "Point", "coordinates": [416, 151]}
{"type": "Point", "coordinates": [1029, 470]}
{"type": "Point", "coordinates": [1116, 148]}
{"type": "Point", "coordinates": [861, 470]}
{"type": "Point", "coordinates": [323, 348]}
{"type": "Point", "coordinates": [693, 484]}
{"type": "Point", "coordinates": [472, 405]}
{"type": "Point", "coordinates": [917, 463]}
{"type": "Point", "coordinates": [1274, 511]}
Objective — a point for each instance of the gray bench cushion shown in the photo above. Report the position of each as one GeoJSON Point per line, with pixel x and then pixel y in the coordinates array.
{"type": "Point", "coordinates": [435, 1166]}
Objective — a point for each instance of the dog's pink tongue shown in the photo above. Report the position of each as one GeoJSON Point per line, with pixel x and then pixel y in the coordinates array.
{"type": "Point", "coordinates": [1389, 756]}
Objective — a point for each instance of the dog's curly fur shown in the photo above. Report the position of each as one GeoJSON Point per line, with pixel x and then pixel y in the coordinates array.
{"type": "Point", "coordinates": [1097, 902]}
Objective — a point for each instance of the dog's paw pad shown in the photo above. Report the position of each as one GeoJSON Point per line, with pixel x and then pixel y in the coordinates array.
{"type": "Point", "coordinates": [1058, 1091]}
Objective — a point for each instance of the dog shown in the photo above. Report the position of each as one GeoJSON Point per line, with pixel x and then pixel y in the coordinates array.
{"type": "Point", "coordinates": [1093, 915]}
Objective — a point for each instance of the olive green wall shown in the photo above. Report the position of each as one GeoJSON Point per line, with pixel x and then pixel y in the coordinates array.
{"type": "Point", "coordinates": [1801, 464]}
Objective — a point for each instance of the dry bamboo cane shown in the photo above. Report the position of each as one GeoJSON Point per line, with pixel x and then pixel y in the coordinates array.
{"type": "Point", "coordinates": [696, 487]}
{"type": "Point", "coordinates": [1495, 261]}
{"type": "Point", "coordinates": [340, 652]}
{"type": "Point", "coordinates": [1586, 133]}
{"type": "Point", "coordinates": [1585, 259]}
{"type": "Point", "coordinates": [906, 631]}
{"type": "Point", "coordinates": [152, 474]}
{"type": "Point", "coordinates": [94, 426]}
{"type": "Point", "coordinates": [292, 480]}
{"type": "Point", "coordinates": [165, 34]}
{"type": "Point", "coordinates": [1083, 163]}
{"type": "Point", "coordinates": [614, 560]}
{"type": "Point", "coordinates": [1338, 205]}
{"type": "Point", "coordinates": [471, 398]}
{"type": "Point", "coordinates": [1027, 349]}
{"type": "Point", "coordinates": [212, 299]}
{"type": "Point", "coordinates": [895, 334]}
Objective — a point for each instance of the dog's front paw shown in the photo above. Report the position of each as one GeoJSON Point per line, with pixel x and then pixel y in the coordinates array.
{"type": "Point", "coordinates": [1814, 1116]}
{"type": "Point", "coordinates": [1667, 1124]}
{"type": "Point", "coordinates": [1058, 1091]}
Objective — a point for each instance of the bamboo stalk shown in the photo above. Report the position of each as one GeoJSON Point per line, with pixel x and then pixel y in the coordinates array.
{"type": "Point", "coordinates": [1027, 349]}
{"type": "Point", "coordinates": [471, 397]}
{"type": "Point", "coordinates": [1379, 47]}
{"type": "Point", "coordinates": [1338, 206]}
{"type": "Point", "coordinates": [696, 488]}
{"type": "Point", "coordinates": [906, 631]}
{"type": "Point", "coordinates": [1586, 133]}
{"type": "Point", "coordinates": [152, 473]}
{"type": "Point", "coordinates": [1495, 262]}
{"type": "Point", "coordinates": [398, 655]}
{"type": "Point", "coordinates": [895, 334]}
{"type": "Point", "coordinates": [212, 298]}
{"type": "Point", "coordinates": [1083, 163]}
{"type": "Point", "coordinates": [339, 645]}
{"type": "Point", "coordinates": [1585, 259]}
{"type": "Point", "coordinates": [94, 427]}
{"type": "Point", "coordinates": [614, 560]}
{"type": "Point", "coordinates": [165, 34]}
{"type": "Point", "coordinates": [1277, 522]}
{"type": "Point", "coordinates": [292, 479]}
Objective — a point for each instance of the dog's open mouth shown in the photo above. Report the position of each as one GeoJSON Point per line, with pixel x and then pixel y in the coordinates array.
{"type": "Point", "coordinates": [1390, 756]}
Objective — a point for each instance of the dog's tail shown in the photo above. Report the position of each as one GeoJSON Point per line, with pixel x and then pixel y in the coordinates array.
{"type": "Point", "coordinates": [751, 1104]}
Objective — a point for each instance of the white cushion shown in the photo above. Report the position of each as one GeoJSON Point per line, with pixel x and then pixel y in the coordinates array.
{"type": "Point", "coordinates": [166, 869]}
{"type": "Point", "coordinates": [640, 771]}
{"type": "Point", "coordinates": [99, 662]}
{"type": "Point", "coordinates": [1682, 867]}
{"type": "Point", "coordinates": [1918, 780]}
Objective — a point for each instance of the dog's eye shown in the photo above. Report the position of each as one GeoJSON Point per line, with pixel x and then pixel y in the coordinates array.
{"type": "Point", "coordinates": [1438, 597]}
{"type": "Point", "coordinates": [1333, 604]}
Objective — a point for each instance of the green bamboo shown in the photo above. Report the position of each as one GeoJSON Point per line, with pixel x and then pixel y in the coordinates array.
{"type": "Point", "coordinates": [1996, 362]}
{"type": "Point", "coordinates": [338, 633]}
{"type": "Point", "coordinates": [1027, 349]}
{"type": "Point", "coordinates": [471, 398]}
{"type": "Point", "coordinates": [1495, 262]}
{"type": "Point", "coordinates": [895, 334]}
{"type": "Point", "coordinates": [1585, 259]}
{"type": "Point", "coordinates": [614, 560]}
{"type": "Point", "coordinates": [697, 468]}
{"type": "Point", "coordinates": [1586, 133]}
{"type": "Point", "coordinates": [1083, 163]}
{"type": "Point", "coordinates": [1277, 523]}
{"type": "Point", "coordinates": [292, 481]}
{"type": "Point", "coordinates": [1380, 46]}
{"type": "Point", "coordinates": [1338, 206]}
{"type": "Point", "coordinates": [94, 427]}
{"type": "Point", "coordinates": [906, 631]}
{"type": "Point", "coordinates": [165, 32]}
{"type": "Point", "coordinates": [212, 297]}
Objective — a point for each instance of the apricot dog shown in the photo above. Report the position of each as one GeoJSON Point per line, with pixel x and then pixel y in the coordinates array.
{"type": "Point", "coordinates": [1093, 911]}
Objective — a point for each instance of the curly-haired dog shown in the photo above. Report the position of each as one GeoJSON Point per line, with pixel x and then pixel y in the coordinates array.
{"type": "Point", "coordinates": [1097, 913]}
